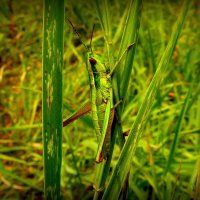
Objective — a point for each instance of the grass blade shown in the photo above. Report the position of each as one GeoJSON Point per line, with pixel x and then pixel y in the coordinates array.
{"type": "Point", "coordinates": [124, 162]}
{"type": "Point", "coordinates": [133, 25]}
{"type": "Point", "coordinates": [52, 95]}
{"type": "Point", "coordinates": [130, 36]}
{"type": "Point", "coordinates": [103, 11]}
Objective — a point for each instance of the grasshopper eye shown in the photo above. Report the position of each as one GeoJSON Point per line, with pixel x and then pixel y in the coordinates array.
{"type": "Point", "coordinates": [92, 61]}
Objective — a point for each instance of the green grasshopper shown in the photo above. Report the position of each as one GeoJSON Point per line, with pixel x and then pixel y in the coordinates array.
{"type": "Point", "coordinates": [101, 104]}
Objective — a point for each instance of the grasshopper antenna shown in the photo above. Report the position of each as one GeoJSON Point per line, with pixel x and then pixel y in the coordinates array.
{"type": "Point", "coordinates": [91, 38]}
{"type": "Point", "coordinates": [78, 34]}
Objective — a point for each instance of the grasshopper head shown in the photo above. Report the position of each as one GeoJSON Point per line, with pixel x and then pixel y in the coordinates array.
{"type": "Point", "coordinates": [96, 64]}
{"type": "Point", "coordinates": [92, 61]}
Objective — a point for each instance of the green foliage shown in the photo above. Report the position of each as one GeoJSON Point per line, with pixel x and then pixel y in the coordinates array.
{"type": "Point", "coordinates": [21, 164]}
{"type": "Point", "coordinates": [123, 165]}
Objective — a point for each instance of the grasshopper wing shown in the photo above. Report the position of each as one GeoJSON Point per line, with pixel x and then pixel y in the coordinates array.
{"type": "Point", "coordinates": [103, 149]}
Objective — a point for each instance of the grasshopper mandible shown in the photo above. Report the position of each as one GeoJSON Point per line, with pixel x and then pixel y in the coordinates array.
{"type": "Point", "coordinates": [101, 104]}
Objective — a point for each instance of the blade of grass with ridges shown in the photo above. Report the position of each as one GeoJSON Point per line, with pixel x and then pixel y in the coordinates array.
{"type": "Point", "coordinates": [123, 165]}
{"type": "Point", "coordinates": [103, 11]}
{"type": "Point", "coordinates": [122, 77]}
{"type": "Point", "coordinates": [52, 95]}
{"type": "Point", "coordinates": [130, 36]}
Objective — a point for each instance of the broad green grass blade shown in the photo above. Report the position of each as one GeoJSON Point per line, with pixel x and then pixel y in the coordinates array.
{"type": "Point", "coordinates": [178, 129]}
{"type": "Point", "coordinates": [133, 25]}
{"type": "Point", "coordinates": [121, 78]}
{"type": "Point", "coordinates": [52, 95]}
{"type": "Point", "coordinates": [123, 165]}
{"type": "Point", "coordinates": [124, 43]}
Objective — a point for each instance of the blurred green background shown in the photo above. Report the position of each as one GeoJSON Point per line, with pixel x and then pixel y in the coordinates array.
{"type": "Point", "coordinates": [21, 164]}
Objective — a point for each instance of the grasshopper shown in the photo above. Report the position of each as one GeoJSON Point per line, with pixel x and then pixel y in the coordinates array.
{"type": "Point", "coordinates": [101, 104]}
